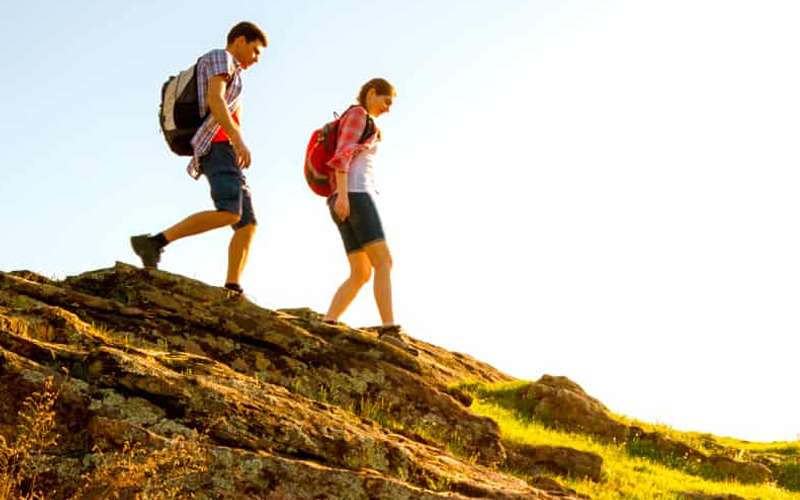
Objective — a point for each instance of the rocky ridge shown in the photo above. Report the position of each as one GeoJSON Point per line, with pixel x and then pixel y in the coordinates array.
{"type": "Point", "coordinates": [168, 387]}
{"type": "Point", "coordinates": [254, 403]}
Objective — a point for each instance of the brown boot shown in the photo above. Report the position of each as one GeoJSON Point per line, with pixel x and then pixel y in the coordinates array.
{"type": "Point", "coordinates": [393, 334]}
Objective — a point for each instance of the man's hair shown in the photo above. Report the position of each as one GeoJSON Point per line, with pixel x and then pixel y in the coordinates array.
{"type": "Point", "coordinates": [381, 86]}
{"type": "Point", "coordinates": [249, 31]}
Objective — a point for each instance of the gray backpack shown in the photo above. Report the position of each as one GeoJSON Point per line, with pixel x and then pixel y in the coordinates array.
{"type": "Point", "coordinates": [179, 112]}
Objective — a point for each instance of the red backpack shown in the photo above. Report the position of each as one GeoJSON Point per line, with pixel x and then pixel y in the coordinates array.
{"type": "Point", "coordinates": [321, 148]}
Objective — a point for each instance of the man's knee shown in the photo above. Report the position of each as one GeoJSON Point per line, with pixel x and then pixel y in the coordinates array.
{"type": "Point", "coordinates": [248, 230]}
{"type": "Point", "coordinates": [229, 218]}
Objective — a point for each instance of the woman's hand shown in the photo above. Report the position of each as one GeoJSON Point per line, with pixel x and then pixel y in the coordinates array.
{"type": "Point", "coordinates": [342, 207]}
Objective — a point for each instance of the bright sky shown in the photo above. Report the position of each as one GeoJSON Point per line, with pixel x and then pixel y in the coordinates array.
{"type": "Point", "coordinates": [602, 190]}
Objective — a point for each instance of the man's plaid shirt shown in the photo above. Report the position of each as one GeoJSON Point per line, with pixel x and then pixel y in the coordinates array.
{"type": "Point", "coordinates": [216, 62]}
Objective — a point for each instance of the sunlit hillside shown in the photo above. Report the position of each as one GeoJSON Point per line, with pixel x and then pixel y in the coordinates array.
{"type": "Point", "coordinates": [660, 463]}
{"type": "Point", "coordinates": [127, 383]}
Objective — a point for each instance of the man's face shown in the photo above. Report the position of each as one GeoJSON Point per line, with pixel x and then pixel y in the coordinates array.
{"type": "Point", "coordinates": [247, 53]}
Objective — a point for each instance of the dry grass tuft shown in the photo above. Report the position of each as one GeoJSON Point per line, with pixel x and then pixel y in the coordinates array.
{"type": "Point", "coordinates": [146, 473]}
{"type": "Point", "coordinates": [134, 472]}
{"type": "Point", "coordinates": [23, 460]}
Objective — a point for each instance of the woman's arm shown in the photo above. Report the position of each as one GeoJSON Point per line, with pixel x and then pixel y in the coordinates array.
{"type": "Point", "coordinates": [351, 127]}
{"type": "Point", "coordinates": [342, 204]}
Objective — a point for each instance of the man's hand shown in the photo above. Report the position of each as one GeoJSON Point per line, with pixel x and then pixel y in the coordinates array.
{"type": "Point", "coordinates": [342, 207]}
{"type": "Point", "coordinates": [242, 152]}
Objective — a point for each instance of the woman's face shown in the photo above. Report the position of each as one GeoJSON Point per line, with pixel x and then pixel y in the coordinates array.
{"type": "Point", "coordinates": [378, 104]}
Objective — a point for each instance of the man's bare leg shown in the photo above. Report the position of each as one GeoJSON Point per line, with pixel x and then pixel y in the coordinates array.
{"type": "Point", "coordinates": [200, 223]}
{"type": "Point", "coordinates": [238, 251]}
{"type": "Point", "coordinates": [149, 248]}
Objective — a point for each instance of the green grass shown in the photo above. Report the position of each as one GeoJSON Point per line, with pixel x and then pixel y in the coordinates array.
{"type": "Point", "coordinates": [789, 449]}
{"type": "Point", "coordinates": [629, 472]}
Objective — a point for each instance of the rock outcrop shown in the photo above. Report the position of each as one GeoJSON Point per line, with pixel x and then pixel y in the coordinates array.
{"type": "Point", "coordinates": [704, 496]}
{"type": "Point", "coordinates": [555, 459]}
{"type": "Point", "coordinates": [561, 403]}
{"type": "Point", "coordinates": [269, 404]}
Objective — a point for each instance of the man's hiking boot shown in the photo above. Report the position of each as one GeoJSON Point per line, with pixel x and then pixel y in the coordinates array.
{"type": "Point", "coordinates": [393, 335]}
{"type": "Point", "coordinates": [233, 291]}
{"type": "Point", "coordinates": [147, 250]}
{"type": "Point", "coordinates": [333, 322]}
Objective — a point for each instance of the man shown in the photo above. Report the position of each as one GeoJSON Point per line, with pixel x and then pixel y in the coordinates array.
{"type": "Point", "coordinates": [220, 154]}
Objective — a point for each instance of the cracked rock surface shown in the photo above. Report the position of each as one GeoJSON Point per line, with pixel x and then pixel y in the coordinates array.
{"type": "Point", "coordinates": [287, 406]}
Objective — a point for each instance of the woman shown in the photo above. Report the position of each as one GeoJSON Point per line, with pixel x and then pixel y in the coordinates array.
{"type": "Point", "coordinates": [352, 207]}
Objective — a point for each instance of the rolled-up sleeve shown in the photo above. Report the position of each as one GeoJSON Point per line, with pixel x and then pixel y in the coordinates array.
{"type": "Point", "coordinates": [351, 127]}
{"type": "Point", "coordinates": [216, 62]}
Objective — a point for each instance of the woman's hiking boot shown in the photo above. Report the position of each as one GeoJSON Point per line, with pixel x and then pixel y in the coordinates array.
{"type": "Point", "coordinates": [392, 334]}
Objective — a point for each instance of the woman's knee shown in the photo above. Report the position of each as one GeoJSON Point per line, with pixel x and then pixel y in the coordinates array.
{"type": "Point", "coordinates": [360, 269]}
{"type": "Point", "coordinates": [379, 255]}
{"type": "Point", "coordinates": [383, 264]}
{"type": "Point", "coordinates": [361, 274]}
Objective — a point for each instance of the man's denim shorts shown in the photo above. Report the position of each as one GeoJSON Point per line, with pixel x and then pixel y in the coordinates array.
{"type": "Point", "coordinates": [363, 226]}
{"type": "Point", "coordinates": [229, 188]}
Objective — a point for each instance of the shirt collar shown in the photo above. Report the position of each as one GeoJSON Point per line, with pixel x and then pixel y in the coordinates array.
{"type": "Point", "coordinates": [235, 62]}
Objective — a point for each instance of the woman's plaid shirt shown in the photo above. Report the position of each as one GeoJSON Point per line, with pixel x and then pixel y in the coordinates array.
{"type": "Point", "coordinates": [351, 127]}
{"type": "Point", "coordinates": [216, 62]}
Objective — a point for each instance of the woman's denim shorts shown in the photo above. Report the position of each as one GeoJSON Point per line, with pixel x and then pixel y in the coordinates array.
{"type": "Point", "coordinates": [363, 226]}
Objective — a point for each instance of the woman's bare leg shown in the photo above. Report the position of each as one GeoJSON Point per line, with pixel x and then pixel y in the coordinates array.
{"type": "Point", "coordinates": [381, 260]}
{"type": "Point", "coordinates": [360, 271]}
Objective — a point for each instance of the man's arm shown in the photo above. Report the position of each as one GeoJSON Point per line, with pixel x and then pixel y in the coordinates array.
{"type": "Point", "coordinates": [217, 85]}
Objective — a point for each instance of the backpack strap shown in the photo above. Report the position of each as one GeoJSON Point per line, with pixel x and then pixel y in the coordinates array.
{"type": "Point", "coordinates": [369, 129]}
